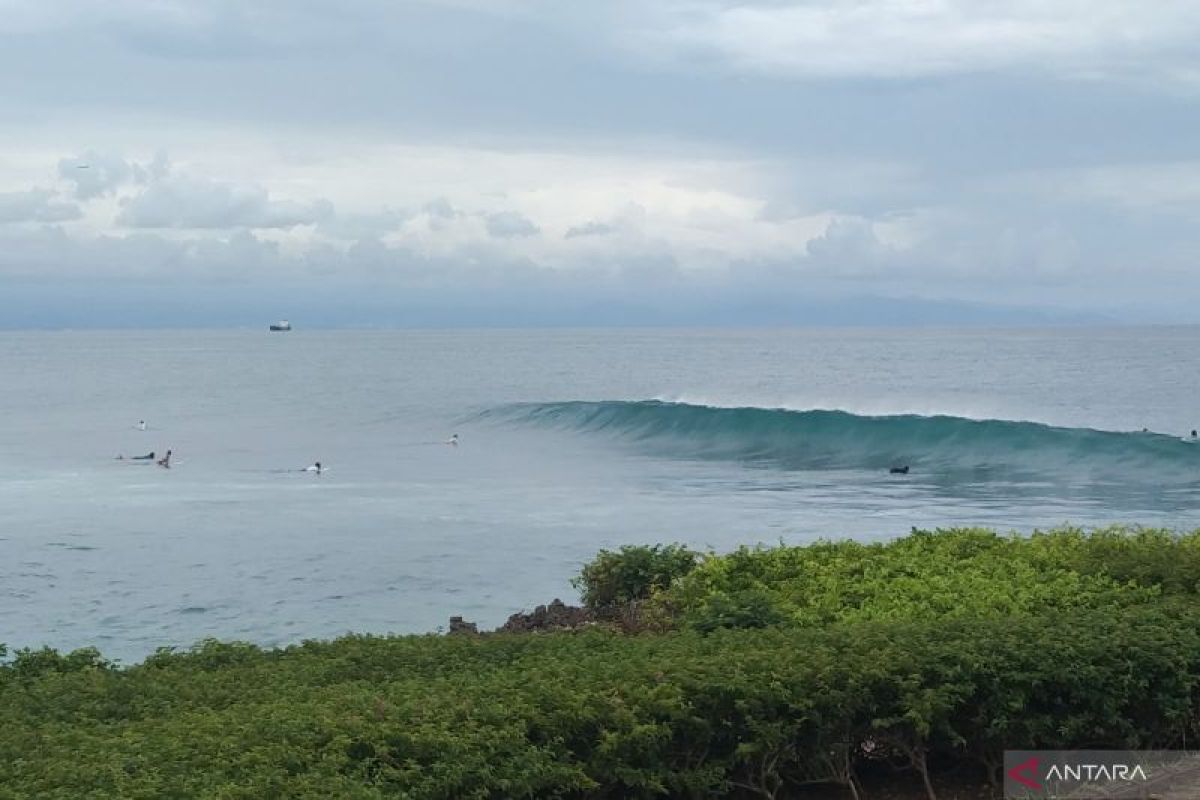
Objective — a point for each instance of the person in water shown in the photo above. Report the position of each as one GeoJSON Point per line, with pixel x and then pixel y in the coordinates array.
{"type": "Point", "coordinates": [1193, 433]}
{"type": "Point", "coordinates": [165, 461]}
{"type": "Point", "coordinates": [899, 470]}
{"type": "Point", "coordinates": [148, 457]}
{"type": "Point", "coordinates": [316, 467]}
{"type": "Point", "coordinates": [141, 424]}
{"type": "Point", "coordinates": [453, 440]}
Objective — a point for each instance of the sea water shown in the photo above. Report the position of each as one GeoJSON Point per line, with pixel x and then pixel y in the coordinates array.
{"type": "Point", "coordinates": [570, 441]}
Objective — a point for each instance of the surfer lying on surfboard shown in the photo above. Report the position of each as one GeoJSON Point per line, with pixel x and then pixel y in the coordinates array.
{"type": "Point", "coordinates": [148, 457]}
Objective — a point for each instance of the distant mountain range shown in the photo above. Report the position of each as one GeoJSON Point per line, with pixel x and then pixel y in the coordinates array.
{"type": "Point", "coordinates": [160, 306]}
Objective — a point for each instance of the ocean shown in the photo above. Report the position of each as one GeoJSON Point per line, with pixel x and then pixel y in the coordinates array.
{"type": "Point", "coordinates": [570, 441]}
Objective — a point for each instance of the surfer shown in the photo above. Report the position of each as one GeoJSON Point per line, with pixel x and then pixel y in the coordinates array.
{"type": "Point", "coordinates": [141, 424]}
{"type": "Point", "coordinates": [316, 467]}
{"type": "Point", "coordinates": [165, 461]}
{"type": "Point", "coordinates": [148, 457]}
{"type": "Point", "coordinates": [899, 470]}
{"type": "Point", "coordinates": [453, 440]}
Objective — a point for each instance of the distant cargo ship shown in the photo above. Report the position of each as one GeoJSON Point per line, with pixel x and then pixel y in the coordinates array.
{"type": "Point", "coordinates": [282, 325]}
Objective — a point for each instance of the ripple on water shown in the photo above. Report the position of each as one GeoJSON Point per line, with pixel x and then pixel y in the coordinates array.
{"type": "Point", "coordinates": [193, 610]}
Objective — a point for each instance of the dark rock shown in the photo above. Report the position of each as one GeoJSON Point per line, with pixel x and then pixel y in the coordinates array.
{"type": "Point", "coordinates": [553, 617]}
{"type": "Point", "coordinates": [457, 625]}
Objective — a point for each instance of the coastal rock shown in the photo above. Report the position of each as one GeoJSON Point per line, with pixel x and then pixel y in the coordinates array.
{"type": "Point", "coordinates": [555, 616]}
{"type": "Point", "coordinates": [459, 626]}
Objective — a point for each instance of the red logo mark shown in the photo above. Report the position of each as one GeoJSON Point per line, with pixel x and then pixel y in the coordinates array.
{"type": "Point", "coordinates": [1025, 772]}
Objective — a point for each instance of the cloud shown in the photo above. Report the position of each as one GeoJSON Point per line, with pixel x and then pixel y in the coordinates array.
{"type": "Point", "coordinates": [507, 224]}
{"type": "Point", "coordinates": [618, 222]}
{"type": "Point", "coordinates": [95, 174]}
{"type": "Point", "coordinates": [592, 228]}
{"type": "Point", "coordinates": [36, 205]}
{"type": "Point", "coordinates": [890, 39]}
{"type": "Point", "coordinates": [846, 241]}
{"type": "Point", "coordinates": [178, 201]}
{"type": "Point", "coordinates": [914, 146]}
{"type": "Point", "coordinates": [48, 253]}
{"type": "Point", "coordinates": [885, 39]}
{"type": "Point", "coordinates": [355, 227]}
{"type": "Point", "coordinates": [1152, 188]}
{"type": "Point", "coordinates": [440, 208]}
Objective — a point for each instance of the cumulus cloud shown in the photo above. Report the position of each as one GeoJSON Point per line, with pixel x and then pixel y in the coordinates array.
{"type": "Point", "coordinates": [179, 201]}
{"type": "Point", "coordinates": [914, 145]}
{"type": "Point", "coordinates": [618, 223]}
{"type": "Point", "coordinates": [98, 174]}
{"type": "Point", "coordinates": [95, 174]}
{"type": "Point", "coordinates": [440, 207]}
{"type": "Point", "coordinates": [849, 240]}
{"type": "Point", "coordinates": [36, 205]}
{"type": "Point", "coordinates": [507, 224]}
{"type": "Point", "coordinates": [355, 227]}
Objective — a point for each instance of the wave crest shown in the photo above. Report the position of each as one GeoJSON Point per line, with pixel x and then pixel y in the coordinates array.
{"type": "Point", "coordinates": [829, 439]}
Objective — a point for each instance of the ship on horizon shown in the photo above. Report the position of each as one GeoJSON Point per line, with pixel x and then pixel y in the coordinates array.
{"type": "Point", "coordinates": [282, 325]}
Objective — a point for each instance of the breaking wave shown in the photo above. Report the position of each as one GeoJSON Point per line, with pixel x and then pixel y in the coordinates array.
{"type": "Point", "coordinates": [824, 439]}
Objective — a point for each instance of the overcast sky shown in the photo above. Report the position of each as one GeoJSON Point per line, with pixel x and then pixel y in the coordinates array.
{"type": "Point", "coordinates": [374, 162]}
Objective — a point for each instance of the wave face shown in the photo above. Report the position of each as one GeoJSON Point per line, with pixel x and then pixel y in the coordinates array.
{"type": "Point", "coordinates": [823, 440]}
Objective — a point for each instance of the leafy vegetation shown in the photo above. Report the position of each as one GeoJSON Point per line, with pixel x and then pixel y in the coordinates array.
{"type": "Point", "coordinates": [787, 665]}
{"type": "Point", "coordinates": [944, 574]}
{"type": "Point", "coordinates": [633, 573]}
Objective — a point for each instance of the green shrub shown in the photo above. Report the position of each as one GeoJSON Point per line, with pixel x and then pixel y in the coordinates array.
{"type": "Point", "coordinates": [960, 573]}
{"type": "Point", "coordinates": [747, 608]}
{"type": "Point", "coordinates": [28, 663]}
{"type": "Point", "coordinates": [599, 714]}
{"type": "Point", "coordinates": [799, 664]}
{"type": "Point", "coordinates": [632, 573]}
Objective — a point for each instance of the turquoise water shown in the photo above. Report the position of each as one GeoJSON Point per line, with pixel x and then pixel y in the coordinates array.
{"type": "Point", "coordinates": [570, 441]}
{"type": "Point", "coordinates": [949, 447]}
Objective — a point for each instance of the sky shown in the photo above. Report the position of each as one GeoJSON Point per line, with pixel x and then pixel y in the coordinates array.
{"type": "Point", "coordinates": [373, 163]}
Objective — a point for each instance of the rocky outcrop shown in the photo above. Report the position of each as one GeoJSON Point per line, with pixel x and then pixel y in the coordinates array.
{"type": "Point", "coordinates": [556, 616]}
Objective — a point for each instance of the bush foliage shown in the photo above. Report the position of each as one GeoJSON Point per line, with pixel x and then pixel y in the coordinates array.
{"type": "Point", "coordinates": [945, 574]}
{"type": "Point", "coordinates": [633, 573]}
{"type": "Point", "coordinates": [789, 665]}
